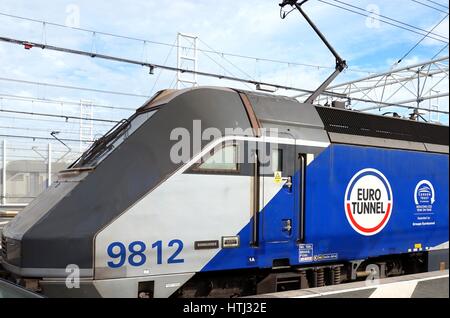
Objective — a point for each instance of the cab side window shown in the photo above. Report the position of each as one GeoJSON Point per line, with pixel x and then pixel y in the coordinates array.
{"type": "Point", "coordinates": [223, 159]}
{"type": "Point", "coordinates": [277, 160]}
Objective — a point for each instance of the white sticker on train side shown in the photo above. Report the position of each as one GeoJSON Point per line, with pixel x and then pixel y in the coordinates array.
{"type": "Point", "coordinates": [368, 202]}
{"type": "Point", "coordinates": [424, 199]}
{"type": "Point", "coordinates": [305, 253]}
{"type": "Point", "coordinates": [424, 196]}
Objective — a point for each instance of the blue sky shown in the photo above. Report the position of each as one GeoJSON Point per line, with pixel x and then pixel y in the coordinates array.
{"type": "Point", "coordinates": [250, 27]}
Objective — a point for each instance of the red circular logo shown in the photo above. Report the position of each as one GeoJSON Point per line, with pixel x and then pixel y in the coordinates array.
{"type": "Point", "coordinates": [368, 202]}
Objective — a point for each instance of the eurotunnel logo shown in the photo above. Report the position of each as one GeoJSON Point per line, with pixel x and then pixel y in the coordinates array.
{"type": "Point", "coordinates": [368, 202]}
{"type": "Point", "coordinates": [424, 196]}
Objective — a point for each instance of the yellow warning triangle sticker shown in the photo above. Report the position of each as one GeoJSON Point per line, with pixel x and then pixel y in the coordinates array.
{"type": "Point", "coordinates": [278, 178]}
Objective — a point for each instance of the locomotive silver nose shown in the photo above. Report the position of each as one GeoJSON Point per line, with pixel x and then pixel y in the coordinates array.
{"type": "Point", "coordinates": [16, 234]}
{"type": "Point", "coordinates": [10, 252]}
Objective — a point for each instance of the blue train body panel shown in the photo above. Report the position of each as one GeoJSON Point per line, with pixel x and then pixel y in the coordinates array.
{"type": "Point", "coordinates": [417, 198]}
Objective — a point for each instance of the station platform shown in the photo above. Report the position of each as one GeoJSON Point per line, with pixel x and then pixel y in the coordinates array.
{"type": "Point", "coordinates": [424, 285]}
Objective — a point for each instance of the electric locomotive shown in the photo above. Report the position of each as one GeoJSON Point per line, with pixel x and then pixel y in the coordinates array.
{"type": "Point", "coordinates": [277, 194]}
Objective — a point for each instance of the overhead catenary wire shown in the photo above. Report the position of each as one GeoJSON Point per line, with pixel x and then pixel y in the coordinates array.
{"type": "Point", "coordinates": [429, 6]}
{"type": "Point", "coordinates": [161, 70]}
{"type": "Point", "coordinates": [67, 117]}
{"type": "Point", "coordinates": [15, 118]}
{"type": "Point", "coordinates": [36, 149]}
{"type": "Point", "coordinates": [72, 87]}
{"type": "Point", "coordinates": [420, 41]}
{"type": "Point", "coordinates": [174, 45]}
{"type": "Point", "coordinates": [38, 144]}
{"type": "Point", "coordinates": [439, 52]}
{"type": "Point", "coordinates": [43, 148]}
{"type": "Point", "coordinates": [225, 69]}
{"type": "Point", "coordinates": [28, 44]}
{"type": "Point", "coordinates": [225, 59]}
{"type": "Point", "coordinates": [388, 18]}
{"type": "Point", "coordinates": [381, 20]}
{"type": "Point", "coordinates": [67, 160]}
{"type": "Point", "coordinates": [40, 138]}
{"type": "Point", "coordinates": [150, 65]}
{"type": "Point", "coordinates": [41, 130]}
{"type": "Point", "coordinates": [437, 3]}
{"type": "Point", "coordinates": [60, 102]}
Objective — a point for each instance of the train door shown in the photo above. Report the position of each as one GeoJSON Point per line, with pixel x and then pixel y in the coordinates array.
{"type": "Point", "coordinates": [280, 189]}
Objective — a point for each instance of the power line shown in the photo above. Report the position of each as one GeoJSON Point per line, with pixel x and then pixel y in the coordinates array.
{"type": "Point", "coordinates": [152, 66]}
{"type": "Point", "coordinates": [160, 71]}
{"type": "Point", "coordinates": [420, 41]}
{"type": "Point", "coordinates": [38, 144]}
{"type": "Point", "coordinates": [173, 45]}
{"type": "Point", "coordinates": [48, 120]}
{"type": "Point", "coordinates": [29, 45]}
{"type": "Point", "coordinates": [59, 102]}
{"type": "Point", "coordinates": [72, 87]}
{"type": "Point", "coordinates": [40, 138]}
{"type": "Point", "coordinates": [224, 58]}
{"type": "Point", "coordinates": [224, 68]}
{"type": "Point", "coordinates": [378, 19]}
{"type": "Point", "coordinates": [388, 18]}
{"type": "Point", "coordinates": [15, 148]}
{"type": "Point", "coordinates": [428, 6]}
{"type": "Point", "coordinates": [40, 130]}
{"type": "Point", "coordinates": [440, 51]}
{"type": "Point", "coordinates": [56, 116]}
{"type": "Point", "coordinates": [67, 160]}
{"type": "Point", "coordinates": [437, 3]}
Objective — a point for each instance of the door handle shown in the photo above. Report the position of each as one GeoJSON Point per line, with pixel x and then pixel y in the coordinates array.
{"type": "Point", "coordinates": [288, 183]}
{"type": "Point", "coordinates": [287, 226]}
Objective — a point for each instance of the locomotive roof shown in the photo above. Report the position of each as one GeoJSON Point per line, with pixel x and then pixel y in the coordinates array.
{"type": "Point", "coordinates": [312, 121]}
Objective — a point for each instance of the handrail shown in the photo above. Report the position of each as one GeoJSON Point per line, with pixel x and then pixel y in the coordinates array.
{"type": "Point", "coordinates": [301, 227]}
{"type": "Point", "coordinates": [256, 190]}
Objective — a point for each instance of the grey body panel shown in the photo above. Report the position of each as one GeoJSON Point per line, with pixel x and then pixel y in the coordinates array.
{"type": "Point", "coordinates": [295, 120]}
{"type": "Point", "coordinates": [37, 209]}
{"type": "Point", "coordinates": [283, 109]}
{"type": "Point", "coordinates": [65, 235]}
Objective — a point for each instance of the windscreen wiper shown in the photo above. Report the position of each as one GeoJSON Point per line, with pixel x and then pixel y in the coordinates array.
{"type": "Point", "coordinates": [101, 144]}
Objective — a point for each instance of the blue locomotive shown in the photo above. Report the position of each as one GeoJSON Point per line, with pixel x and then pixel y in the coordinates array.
{"type": "Point", "coordinates": [274, 195]}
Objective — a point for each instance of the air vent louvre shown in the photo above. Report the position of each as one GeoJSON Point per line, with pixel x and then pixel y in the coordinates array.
{"type": "Point", "coordinates": [362, 124]}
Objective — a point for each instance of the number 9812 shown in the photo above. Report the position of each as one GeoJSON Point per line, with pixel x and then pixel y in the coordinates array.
{"type": "Point", "coordinates": [136, 256]}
